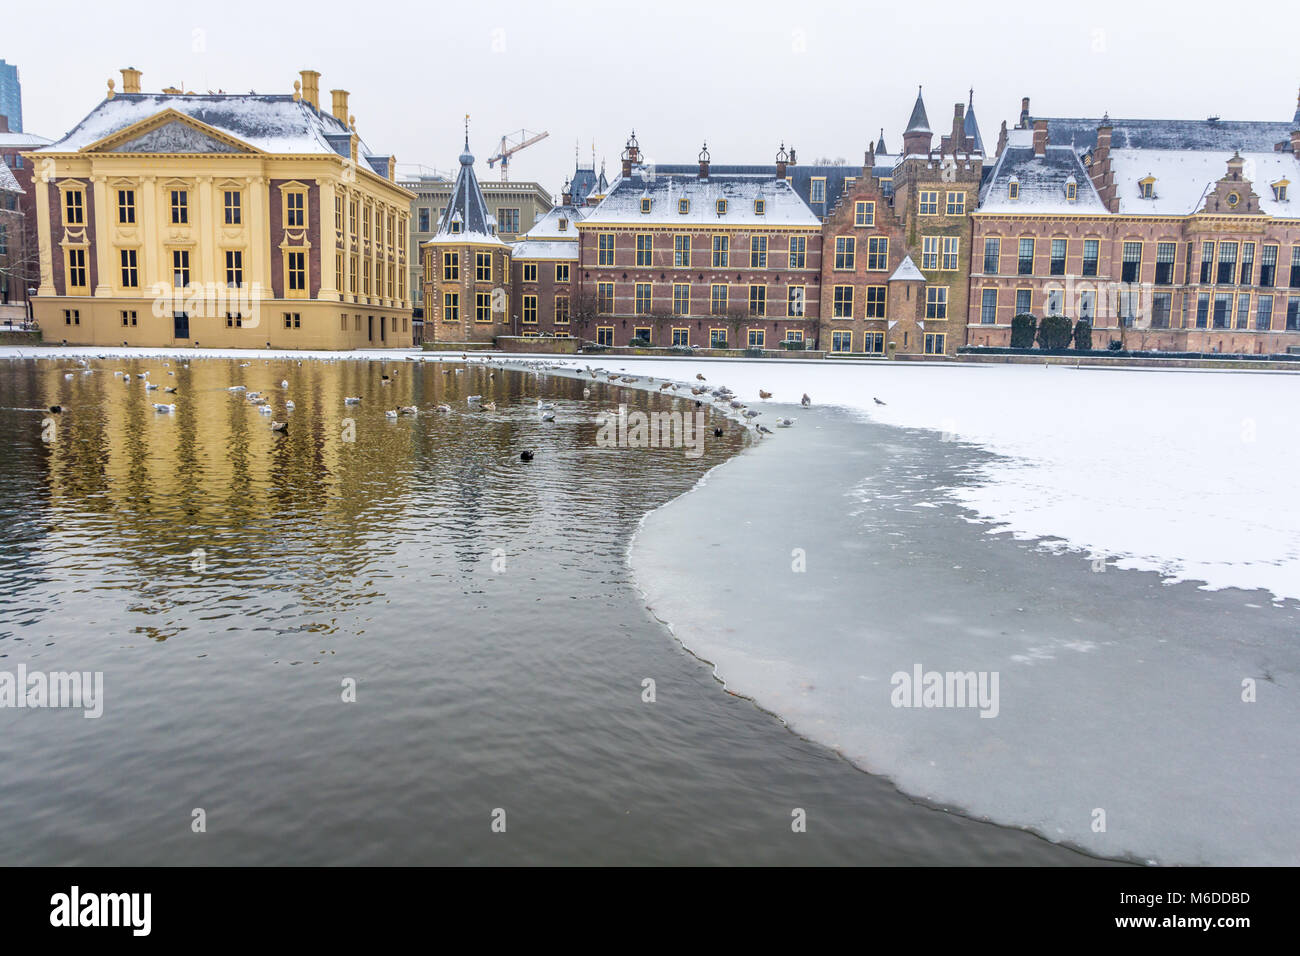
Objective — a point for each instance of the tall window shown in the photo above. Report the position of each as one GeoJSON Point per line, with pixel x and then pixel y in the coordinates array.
{"type": "Point", "coordinates": [530, 310]}
{"type": "Point", "coordinates": [297, 272]}
{"type": "Point", "coordinates": [645, 250]}
{"type": "Point", "coordinates": [232, 202]}
{"type": "Point", "coordinates": [992, 256]}
{"type": "Point", "coordinates": [1247, 263]}
{"type": "Point", "coordinates": [1203, 310]}
{"type": "Point", "coordinates": [989, 307]}
{"type": "Point", "coordinates": [936, 302]}
{"type": "Point", "coordinates": [451, 267]}
{"type": "Point", "coordinates": [929, 202]}
{"type": "Point", "coordinates": [845, 252]}
{"type": "Point", "coordinates": [758, 300]}
{"type": "Point", "coordinates": [681, 299]}
{"type": "Point", "coordinates": [482, 267]}
{"type": "Point", "coordinates": [1268, 266]}
{"type": "Point", "coordinates": [758, 252]}
{"type": "Point", "coordinates": [798, 252]}
{"type": "Point", "coordinates": [682, 252]}
{"type": "Point", "coordinates": [877, 253]}
{"type": "Point", "coordinates": [482, 306]}
{"type": "Point", "coordinates": [956, 204]}
{"type": "Point", "coordinates": [295, 210]}
{"type": "Point", "coordinates": [1227, 273]}
{"type": "Point", "coordinates": [643, 298]}
{"type": "Point", "coordinates": [130, 269]}
{"type": "Point", "coordinates": [74, 207]}
{"type": "Point", "coordinates": [929, 252]}
{"type": "Point", "coordinates": [1295, 267]}
{"type": "Point", "coordinates": [1024, 301]}
{"type": "Point", "coordinates": [864, 213]}
{"type": "Point", "coordinates": [422, 219]}
{"type": "Point", "coordinates": [529, 272]}
{"type": "Point", "coordinates": [1057, 264]}
{"type": "Point", "coordinates": [451, 307]}
{"type": "Point", "coordinates": [817, 189]}
{"type": "Point", "coordinates": [951, 245]}
{"type": "Point", "coordinates": [561, 310]}
{"type": "Point", "coordinates": [180, 268]}
{"type": "Point", "coordinates": [717, 300]}
{"type": "Point", "coordinates": [721, 252]}
{"type": "Point", "coordinates": [126, 206]}
{"type": "Point", "coordinates": [1207, 261]}
{"type": "Point", "coordinates": [1264, 313]}
{"type": "Point", "coordinates": [234, 268]}
{"type": "Point", "coordinates": [1091, 253]}
{"type": "Point", "coordinates": [794, 301]}
{"type": "Point", "coordinates": [1025, 259]}
{"type": "Point", "coordinates": [1243, 310]}
{"type": "Point", "coordinates": [561, 272]}
{"type": "Point", "coordinates": [1222, 310]}
{"type": "Point", "coordinates": [605, 249]}
{"type": "Point", "coordinates": [180, 206]}
{"type": "Point", "coordinates": [1161, 309]}
{"type": "Point", "coordinates": [604, 297]}
{"type": "Point", "coordinates": [842, 302]}
{"type": "Point", "coordinates": [1165, 252]}
{"type": "Point", "coordinates": [875, 305]}
{"type": "Point", "coordinates": [841, 341]}
{"type": "Point", "coordinates": [1132, 265]}
{"type": "Point", "coordinates": [508, 220]}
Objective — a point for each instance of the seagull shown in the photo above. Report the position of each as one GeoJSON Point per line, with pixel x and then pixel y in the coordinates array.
{"type": "Point", "coordinates": [473, 398]}
{"type": "Point", "coordinates": [284, 383]}
{"type": "Point", "coordinates": [148, 388]}
{"type": "Point", "coordinates": [264, 409]}
{"type": "Point", "coordinates": [391, 413]}
{"type": "Point", "coordinates": [750, 413]}
{"type": "Point", "coordinates": [526, 455]}
{"type": "Point", "coordinates": [68, 376]}
{"type": "Point", "coordinates": [735, 403]}
{"type": "Point", "coordinates": [785, 422]}
{"type": "Point", "coordinates": [544, 406]}
{"type": "Point", "coordinates": [444, 408]}
{"type": "Point", "coordinates": [876, 400]}
{"type": "Point", "coordinates": [548, 416]}
{"type": "Point", "coordinates": [290, 406]}
{"type": "Point", "coordinates": [763, 429]}
{"type": "Point", "coordinates": [351, 400]}
{"type": "Point", "coordinates": [805, 401]}
{"type": "Point", "coordinates": [586, 393]}
{"type": "Point", "coordinates": [408, 410]}
{"type": "Point", "coordinates": [490, 406]}
{"type": "Point", "coordinates": [235, 388]}
{"type": "Point", "coordinates": [163, 408]}
{"type": "Point", "coordinates": [279, 426]}
{"type": "Point", "coordinates": [171, 390]}
{"type": "Point", "coordinates": [699, 377]}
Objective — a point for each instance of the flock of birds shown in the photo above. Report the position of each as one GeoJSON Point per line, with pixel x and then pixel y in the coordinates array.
{"type": "Point", "coordinates": [720, 397]}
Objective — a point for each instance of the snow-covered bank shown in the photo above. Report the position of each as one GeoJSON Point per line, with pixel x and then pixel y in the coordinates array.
{"type": "Point", "coordinates": [1188, 473]}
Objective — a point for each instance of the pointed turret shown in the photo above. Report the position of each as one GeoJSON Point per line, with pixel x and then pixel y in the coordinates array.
{"type": "Point", "coordinates": [1295, 120]}
{"type": "Point", "coordinates": [880, 144]}
{"type": "Point", "coordinates": [974, 142]}
{"type": "Point", "coordinates": [466, 217]}
{"type": "Point", "coordinates": [916, 138]}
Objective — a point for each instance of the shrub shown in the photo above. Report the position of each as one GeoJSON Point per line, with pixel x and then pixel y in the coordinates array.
{"type": "Point", "coordinates": [1115, 345]}
{"type": "Point", "coordinates": [1055, 332]}
{"type": "Point", "coordinates": [640, 343]}
{"type": "Point", "coordinates": [1023, 327]}
{"type": "Point", "coordinates": [1083, 335]}
{"type": "Point", "coordinates": [792, 346]}
{"type": "Point", "coordinates": [753, 353]}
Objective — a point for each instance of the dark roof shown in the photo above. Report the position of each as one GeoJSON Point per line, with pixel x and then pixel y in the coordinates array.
{"type": "Point", "coordinates": [583, 183]}
{"type": "Point", "coordinates": [466, 204]}
{"type": "Point", "coordinates": [1081, 133]}
{"type": "Point", "coordinates": [919, 122]}
{"type": "Point", "coordinates": [800, 177]}
{"type": "Point", "coordinates": [971, 128]}
{"type": "Point", "coordinates": [880, 143]}
{"type": "Point", "coordinates": [1041, 181]}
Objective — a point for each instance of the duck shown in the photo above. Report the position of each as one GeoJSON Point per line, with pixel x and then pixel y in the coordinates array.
{"type": "Point", "coordinates": [281, 427]}
{"type": "Point", "coordinates": [665, 386]}
{"type": "Point", "coordinates": [171, 390]}
{"type": "Point", "coordinates": [473, 398]}
{"type": "Point", "coordinates": [700, 377]}
{"type": "Point", "coordinates": [526, 455]}
{"type": "Point", "coordinates": [163, 408]}
{"type": "Point", "coordinates": [391, 413]}
{"type": "Point", "coordinates": [284, 383]}
{"type": "Point", "coordinates": [544, 406]}
{"type": "Point", "coordinates": [264, 409]}
{"type": "Point", "coordinates": [717, 433]}
{"type": "Point", "coordinates": [805, 401]}
{"type": "Point", "coordinates": [763, 394]}
{"type": "Point", "coordinates": [56, 409]}
{"type": "Point", "coordinates": [351, 400]}
{"type": "Point", "coordinates": [489, 406]}
{"type": "Point", "coordinates": [548, 416]}
{"type": "Point", "coordinates": [290, 405]}
{"type": "Point", "coordinates": [445, 409]}
{"type": "Point", "coordinates": [408, 410]}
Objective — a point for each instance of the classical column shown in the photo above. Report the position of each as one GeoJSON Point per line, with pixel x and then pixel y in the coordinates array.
{"type": "Point", "coordinates": [44, 230]}
{"type": "Point", "coordinates": [328, 242]}
{"type": "Point", "coordinates": [259, 226]}
{"type": "Point", "coordinates": [155, 269]}
{"type": "Point", "coordinates": [103, 248]}
{"type": "Point", "coordinates": [207, 231]}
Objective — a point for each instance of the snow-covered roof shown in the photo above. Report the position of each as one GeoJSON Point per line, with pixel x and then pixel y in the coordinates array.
{"type": "Point", "coordinates": [781, 204]}
{"type": "Point", "coordinates": [545, 249]}
{"type": "Point", "coordinates": [1081, 133]}
{"type": "Point", "coordinates": [8, 183]}
{"type": "Point", "coordinates": [12, 140]}
{"type": "Point", "coordinates": [466, 218]}
{"type": "Point", "coordinates": [907, 272]}
{"type": "Point", "coordinates": [918, 122]}
{"type": "Point", "coordinates": [1184, 178]}
{"type": "Point", "coordinates": [1041, 181]}
{"type": "Point", "coordinates": [548, 226]}
{"type": "Point", "coordinates": [273, 123]}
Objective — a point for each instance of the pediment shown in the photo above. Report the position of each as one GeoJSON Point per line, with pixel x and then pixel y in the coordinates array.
{"type": "Point", "coordinates": [170, 132]}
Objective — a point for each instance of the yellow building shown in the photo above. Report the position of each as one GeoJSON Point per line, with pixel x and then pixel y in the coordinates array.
{"type": "Point", "coordinates": [221, 220]}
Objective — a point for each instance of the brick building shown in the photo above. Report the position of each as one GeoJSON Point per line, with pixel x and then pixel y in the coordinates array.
{"type": "Point", "coordinates": [706, 259]}
{"type": "Point", "coordinates": [19, 260]}
{"type": "Point", "coordinates": [1164, 234]}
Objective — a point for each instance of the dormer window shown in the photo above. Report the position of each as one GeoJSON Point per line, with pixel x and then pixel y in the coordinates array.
{"type": "Point", "coordinates": [722, 207]}
{"type": "Point", "coordinates": [1147, 187]}
{"type": "Point", "coordinates": [564, 224]}
{"type": "Point", "coordinates": [683, 206]}
{"type": "Point", "coordinates": [1013, 188]}
{"type": "Point", "coordinates": [645, 204]}
{"type": "Point", "coordinates": [760, 206]}
{"type": "Point", "coordinates": [455, 227]}
{"type": "Point", "coordinates": [1071, 190]}
{"type": "Point", "coordinates": [1279, 190]}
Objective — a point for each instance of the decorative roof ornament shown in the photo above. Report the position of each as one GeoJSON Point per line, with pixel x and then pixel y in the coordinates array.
{"type": "Point", "coordinates": [704, 152]}
{"type": "Point", "coordinates": [781, 155]}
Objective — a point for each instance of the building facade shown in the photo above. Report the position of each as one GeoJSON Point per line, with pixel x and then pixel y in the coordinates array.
{"type": "Point", "coordinates": [11, 96]}
{"type": "Point", "coordinates": [221, 220]}
{"type": "Point", "coordinates": [1162, 234]}
{"type": "Point", "coordinates": [19, 259]}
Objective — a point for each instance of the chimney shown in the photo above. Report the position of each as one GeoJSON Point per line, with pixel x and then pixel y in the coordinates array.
{"type": "Point", "coordinates": [793, 161]}
{"type": "Point", "coordinates": [311, 87]}
{"type": "Point", "coordinates": [4, 123]}
{"type": "Point", "coordinates": [869, 160]}
{"type": "Point", "coordinates": [957, 139]}
{"type": "Point", "coordinates": [704, 161]}
{"type": "Point", "coordinates": [340, 109]}
{"type": "Point", "coordinates": [130, 80]}
{"type": "Point", "coordinates": [1295, 142]}
{"type": "Point", "coordinates": [1099, 170]}
{"type": "Point", "coordinates": [566, 194]}
{"type": "Point", "coordinates": [1024, 114]}
{"type": "Point", "coordinates": [631, 155]}
{"type": "Point", "coordinates": [1040, 137]}
{"type": "Point", "coordinates": [781, 158]}
{"type": "Point", "coordinates": [1002, 138]}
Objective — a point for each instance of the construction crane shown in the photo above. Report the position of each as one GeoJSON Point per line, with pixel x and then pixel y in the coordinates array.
{"type": "Point", "coordinates": [512, 143]}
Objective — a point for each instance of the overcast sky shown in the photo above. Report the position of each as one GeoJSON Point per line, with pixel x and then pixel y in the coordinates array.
{"type": "Point", "coordinates": [823, 76]}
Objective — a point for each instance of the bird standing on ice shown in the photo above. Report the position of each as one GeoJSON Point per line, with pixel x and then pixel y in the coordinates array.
{"type": "Point", "coordinates": [805, 401]}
